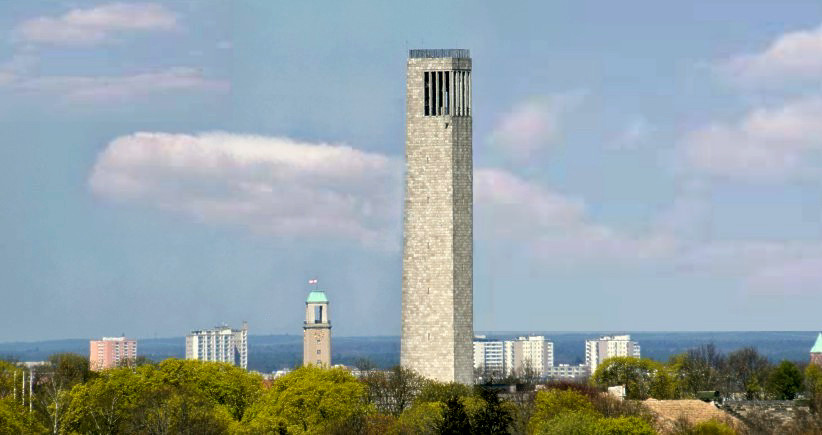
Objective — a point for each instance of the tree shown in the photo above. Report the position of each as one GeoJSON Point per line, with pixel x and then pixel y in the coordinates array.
{"type": "Point", "coordinates": [568, 423]}
{"type": "Point", "coordinates": [309, 399]}
{"type": "Point", "coordinates": [392, 391]}
{"type": "Point", "coordinates": [225, 384]}
{"type": "Point", "coordinates": [433, 391]}
{"type": "Point", "coordinates": [813, 386]}
{"type": "Point", "coordinates": [624, 426]}
{"type": "Point", "coordinates": [454, 418]}
{"type": "Point", "coordinates": [700, 369]}
{"type": "Point", "coordinates": [492, 418]}
{"type": "Point", "coordinates": [785, 381]}
{"type": "Point", "coordinates": [164, 409]}
{"type": "Point", "coordinates": [53, 382]}
{"type": "Point", "coordinates": [641, 377]}
{"type": "Point", "coordinates": [747, 371]}
{"type": "Point", "coordinates": [16, 419]}
{"type": "Point", "coordinates": [421, 418]}
{"type": "Point", "coordinates": [104, 404]}
{"type": "Point", "coordinates": [9, 376]}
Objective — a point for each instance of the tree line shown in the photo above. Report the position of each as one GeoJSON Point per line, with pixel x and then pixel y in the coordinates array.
{"type": "Point", "coordinates": [191, 397]}
{"type": "Point", "coordinates": [742, 375]}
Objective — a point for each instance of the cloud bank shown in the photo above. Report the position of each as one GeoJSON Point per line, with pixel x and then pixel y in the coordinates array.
{"type": "Point", "coordinates": [270, 185]}
{"type": "Point", "coordinates": [533, 125]}
{"type": "Point", "coordinates": [96, 25]}
{"type": "Point", "coordinates": [794, 56]}
{"type": "Point", "coordinates": [117, 88]}
{"type": "Point", "coordinates": [767, 144]}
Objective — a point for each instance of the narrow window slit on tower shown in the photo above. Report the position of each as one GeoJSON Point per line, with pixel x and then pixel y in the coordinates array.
{"type": "Point", "coordinates": [439, 92]}
{"type": "Point", "coordinates": [447, 93]}
{"type": "Point", "coordinates": [434, 101]}
{"type": "Point", "coordinates": [427, 94]}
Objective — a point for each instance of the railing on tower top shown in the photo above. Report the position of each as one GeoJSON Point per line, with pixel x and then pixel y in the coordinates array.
{"type": "Point", "coordinates": [430, 53]}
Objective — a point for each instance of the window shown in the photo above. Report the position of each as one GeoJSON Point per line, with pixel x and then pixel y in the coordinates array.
{"type": "Point", "coordinates": [318, 351]}
{"type": "Point", "coordinates": [427, 92]}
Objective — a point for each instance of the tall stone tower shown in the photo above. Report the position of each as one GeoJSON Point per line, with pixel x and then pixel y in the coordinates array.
{"type": "Point", "coordinates": [437, 272]}
{"type": "Point", "coordinates": [317, 330]}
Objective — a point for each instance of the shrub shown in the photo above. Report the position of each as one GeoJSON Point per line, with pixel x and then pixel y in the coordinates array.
{"type": "Point", "coordinates": [549, 404]}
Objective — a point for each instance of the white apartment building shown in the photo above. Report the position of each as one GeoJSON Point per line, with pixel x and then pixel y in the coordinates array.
{"type": "Point", "coordinates": [568, 372]}
{"type": "Point", "coordinates": [220, 344]}
{"type": "Point", "coordinates": [598, 350]}
{"type": "Point", "coordinates": [489, 357]}
{"type": "Point", "coordinates": [534, 352]}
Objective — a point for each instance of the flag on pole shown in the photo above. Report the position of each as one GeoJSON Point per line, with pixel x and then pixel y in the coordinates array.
{"type": "Point", "coordinates": [312, 281]}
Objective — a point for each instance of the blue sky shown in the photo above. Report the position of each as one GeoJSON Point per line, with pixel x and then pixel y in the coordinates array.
{"type": "Point", "coordinates": [638, 166]}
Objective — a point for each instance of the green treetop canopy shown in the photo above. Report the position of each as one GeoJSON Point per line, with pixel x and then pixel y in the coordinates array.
{"type": "Point", "coordinates": [317, 297]}
{"type": "Point", "coordinates": [817, 347]}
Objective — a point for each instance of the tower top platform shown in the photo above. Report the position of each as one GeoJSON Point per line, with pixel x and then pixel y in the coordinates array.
{"type": "Point", "coordinates": [435, 53]}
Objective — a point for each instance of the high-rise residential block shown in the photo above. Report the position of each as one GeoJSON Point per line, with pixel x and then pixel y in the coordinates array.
{"type": "Point", "coordinates": [532, 354]}
{"type": "Point", "coordinates": [317, 330]}
{"type": "Point", "coordinates": [489, 358]}
{"type": "Point", "coordinates": [437, 275]}
{"type": "Point", "coordinates": [111, 352]}
{"type": "Point", "coordinates": [597, 351]}
{"type": "Point", "coordinates": [219, 344]}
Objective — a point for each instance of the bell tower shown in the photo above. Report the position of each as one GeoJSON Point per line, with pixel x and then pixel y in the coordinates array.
{"type": "Point", "coordinates": [316, 330]}
{"type": "Point", "coordinates": [437, 264]}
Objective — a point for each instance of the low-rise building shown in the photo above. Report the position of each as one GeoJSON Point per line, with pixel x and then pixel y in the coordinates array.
{"type": "Point", "coordinates": [568, 372]}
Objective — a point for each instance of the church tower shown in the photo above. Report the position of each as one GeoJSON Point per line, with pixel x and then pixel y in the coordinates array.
{"type": "Point", "coordinates": [816, 351]}
{"type": "Point", "coordinates": [437, 272]}
{"type": "Point", "coordinates": [317, 330]}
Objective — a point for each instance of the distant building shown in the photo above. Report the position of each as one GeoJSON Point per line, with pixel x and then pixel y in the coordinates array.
{"type": "Point", "coordinates": [533, 353]}
{"type": "Point", "coordinates": [568, 372]}
{"type": "Point", "coordinates": [816, 351]}
{"type": "Point", "coordinates": [220, 344]}
{"type": "Point", "coordinates": [317, 330]}
{"type": "Point", "coordinates": [597, 351]}
{"type": "Point", "coordinates": [111, 352]}
{"type": "Point", "coordinates": [489, 357]}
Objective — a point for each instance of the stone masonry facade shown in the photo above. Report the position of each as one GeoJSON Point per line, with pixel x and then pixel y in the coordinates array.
{"type": "Point", "coordinates": [316, 335]}
{"type": "Point", "coordinates": [437, 279]}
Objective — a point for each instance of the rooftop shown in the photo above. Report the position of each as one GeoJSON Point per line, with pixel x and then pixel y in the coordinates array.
{"type": "Point", "coordinates": [432, 53]}
{"type": "Point", "coordinates": [817, 347]}
{"type": "Point", "coordinates": [316, 297]}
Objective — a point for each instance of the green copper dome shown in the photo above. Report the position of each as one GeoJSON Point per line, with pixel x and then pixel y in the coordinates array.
{"type": "Point", "coordinates": [317, 297]}
{"type": "Point", "coordinates": [817, 347]}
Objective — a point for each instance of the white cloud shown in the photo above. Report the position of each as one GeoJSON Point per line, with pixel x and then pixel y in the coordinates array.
{"type": "Point", "coordinates": [554, 226]}
{"type": "Point", "coordinates": [108, 88]}
{"type": "Point", "coordinates": [96, 25]}
{"type": "Point", "coordinates": [792, 56]}
{"type": "Point", "coordinates": [287, 188]}
{"type": "Point", "coordinates": [767, 144]}
{"type": "Point", "coordinates": [269, 185]}
{"type": "Point", "coordinates": [521, 205]}
{"type": "Point", "coordinates": [533, 125]}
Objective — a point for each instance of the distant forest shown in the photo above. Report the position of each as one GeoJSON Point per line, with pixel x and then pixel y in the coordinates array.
{"type": "Point", "coordinates": [273, 352]}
